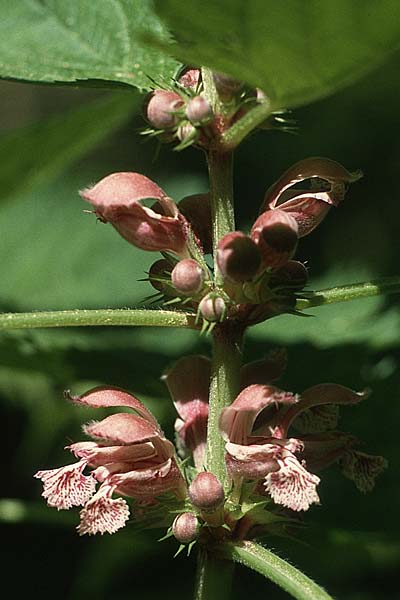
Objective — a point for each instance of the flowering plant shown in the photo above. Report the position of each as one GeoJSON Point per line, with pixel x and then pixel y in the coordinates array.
{"type": "Point", "coordinates": [249, 455]}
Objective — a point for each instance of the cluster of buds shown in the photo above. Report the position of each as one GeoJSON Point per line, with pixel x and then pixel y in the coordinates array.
{"type": "Point", "coordinates": [277, 443]}
{"type": "Point", "coordinates": [259, 268]}
{"type": "Point", "coordinates": [259, 273]}
{"type": "Point", "coordinates": [181, 113]}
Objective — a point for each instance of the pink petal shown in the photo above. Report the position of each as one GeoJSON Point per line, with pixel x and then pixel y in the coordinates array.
{"type": "Point", "coordinates": [67, 486]}
{"type": "Point", "coordinates": [121, 429]}
{"type": "Point", "coordinates": [237, 420]}
{"type": "Point", "coordinates": [292, 485]}
{"type": "Point", "coordinates": [116, 199]}
{"type": "Point", "coordinates": [105, 397]}
{"type": "Point", "coordinates": [150, 482]}
{"type": "Point", "coordinates": [318, 395]}
{"type": "Point", "coordinates": [264, 371]}
{"type": "Point", "coordinates": [103, 514]}
{"type": "Point", "coordinates": [96, 455]}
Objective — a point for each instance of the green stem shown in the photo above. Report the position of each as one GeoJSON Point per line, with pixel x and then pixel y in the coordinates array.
{"type": "Point", "coordinates": [278, 570]}
{"type": "Point", "coordinates": [213, 578]}
{"type": "Point", "coordinates": [220, 167]}
{"type": "Point", "coordinates": [224, 387]}
{"type": "Point", "coordinates": [353, 291]}
{"type": "Point", "coordinates": [102, 317]}
{"type": "Point", "coordinates": [232, 137]}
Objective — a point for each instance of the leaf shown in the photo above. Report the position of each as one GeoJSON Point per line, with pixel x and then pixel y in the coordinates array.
{"type": "Point", "coordinates": [38, 153]}
{"type": "Point", "coordinates": [54, 41]}
{"type": "Point", "coordinates": [295, 51]}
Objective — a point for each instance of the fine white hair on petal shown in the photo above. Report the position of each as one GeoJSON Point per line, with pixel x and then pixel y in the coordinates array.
{"type": "Point", "coordinates": [103, 514]}
{"type": "Point", "coordinates": [292, 485]}
{"type": "Point", "coordinates": [66, 487]}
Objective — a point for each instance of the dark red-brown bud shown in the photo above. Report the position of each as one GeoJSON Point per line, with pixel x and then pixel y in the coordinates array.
{"type": "Point", "coordinates": [185, 527]}
{"type": "Point", "coordinates": [199, 111]}
{"type": "Point", "coordinates": [275, 233]}
{"type": "Point", "coordinates": [187, 277]}
{"type": "Point", "coordinates": [212, 308]}
{"type": "Point", "coordinates": [206, 492]}
{"type": "Point", "coordinates": [238, 257]}
{"type": "Point", "coordinates": [292, 275]}
{"type": "Point", "coordinates": [161, 107]}
{"type": "Point", "coordinates": [160, 275]}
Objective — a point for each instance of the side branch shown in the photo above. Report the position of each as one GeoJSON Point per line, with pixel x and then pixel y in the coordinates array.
{"type": "Point", "coordinates": [231, 138]}
{"type": "Point", "coordinates": [272, 567]}
{"type": "Point", "coordinates": [97, 317]}
{"type": "Point", "coordinates": [353, 291]}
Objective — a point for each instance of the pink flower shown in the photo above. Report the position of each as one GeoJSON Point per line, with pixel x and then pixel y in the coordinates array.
{"type": "Point", "coordinates": [188, 382]}
{"type": "Point", "coordinates": [309, 206]}
{"type": "Point", "coordinates": [258, 447]}
{"type": "Point", "coordinates": [130, 456]}
{"type": "Point", "coordinates": [117, 199]}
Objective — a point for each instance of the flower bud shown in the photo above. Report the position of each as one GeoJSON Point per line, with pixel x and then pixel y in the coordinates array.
{"type": "Point", "coordinates": [187, 133]}
{"type": "Point", "coordinates": [160, 109]}
{"type": "Point", "coordinates": [187, 277]}
{"type": "Point", "coordinates": [185, 527]}
{"type": "Point", "coordinates": [238, 257]}
{"type": "Point", "coordinates": [206, 492]}
{"type": "Point", "coordinates": [190, 78]}
{"type": "Point", "coordinates": [160, 275]}
{"type": "Point", "coordinates": [212, 308]}
{"type": "Point", "coordinates": [275, 233]}
{"type": "Point", "coordinates": [199, 111]}
{"type": "Point", "coordinates": [292, 275]}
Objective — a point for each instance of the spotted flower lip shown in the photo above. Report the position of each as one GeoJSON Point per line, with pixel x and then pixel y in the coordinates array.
{"type": "Point", "coordinates": [129, 455]}
{"type": "Point", "coordinates": [117, 199]}
{"type": "Point", "coordinates": [258, 447]}
{"type": "Point", "coordinates": [329, 180]}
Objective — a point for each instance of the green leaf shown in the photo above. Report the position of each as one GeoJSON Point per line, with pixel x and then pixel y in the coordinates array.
{"type": "Point", "coordinates": [295, 51]}
{"type": "Point", "coordinates": [38, 153]}
{"type": "Point", "coordinates": [80, 40]}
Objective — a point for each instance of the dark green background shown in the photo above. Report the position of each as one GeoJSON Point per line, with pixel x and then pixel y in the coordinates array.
{"type": "Point", "coordinates": [53, 256]}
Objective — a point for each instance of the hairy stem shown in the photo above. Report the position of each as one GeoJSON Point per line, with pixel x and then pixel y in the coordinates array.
{"type": "Point", "coordinates": [224, 387]}
{"type": "Point", "coordinates": [213, 578]}
{"type": "Point", "coordinates": [272, 567]}
{"type": "Point", "coordinates": [231, 138]}
{"type": "Point", "coordinates": [353, 291]}
{"type": "Point", "coordinates": [98, 317]}
{"type": "Point", "coordinates": [220, 167]}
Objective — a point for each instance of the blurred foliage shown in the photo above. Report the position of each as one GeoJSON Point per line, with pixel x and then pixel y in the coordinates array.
{"type": "Point", "coordinates": [54, 256]}
{"type": "Point", "coordinates": [295, 51]}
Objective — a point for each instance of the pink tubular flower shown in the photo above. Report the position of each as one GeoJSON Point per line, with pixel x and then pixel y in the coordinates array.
{"type": "Point", "coordinates": [255, 427]}
{"type": "Point", "coordinates": [188, 382]}
{"type": "Point", "coordinates": [130, 456]}
{"type": "Point", "coordinates": [117, 199]}
{"type": "Point", "coordinates": [309, 207]}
